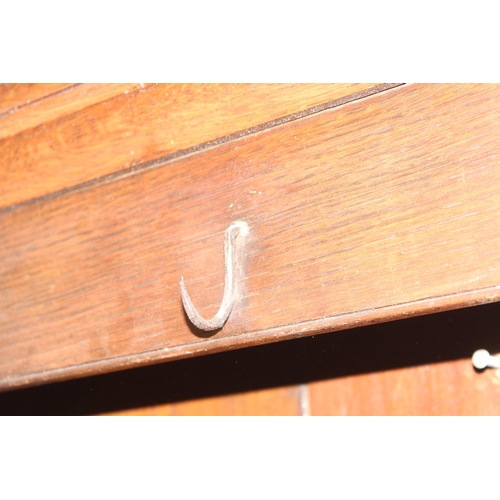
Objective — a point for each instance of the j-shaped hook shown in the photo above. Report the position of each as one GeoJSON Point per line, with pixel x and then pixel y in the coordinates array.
{"type": "Point", "coordinates": [238, 228]}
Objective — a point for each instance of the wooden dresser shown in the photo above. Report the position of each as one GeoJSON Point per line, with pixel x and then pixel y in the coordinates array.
{"type": "Point", "coordinates": [365, 204]}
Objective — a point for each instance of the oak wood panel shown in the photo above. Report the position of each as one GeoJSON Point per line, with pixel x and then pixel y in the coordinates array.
{"type": "Point", "coordinates": [56, 106]}
{"type": "Point", "coordinates": [147, 123]}
{"type": "Point", "coordinates": [276, 401]}
{"type": "Point", "coordinates": [384, 208]}
{"type": "Point", "coordinates": [450, 388]}
{"type": "Point", "coordinates": [15, 95]}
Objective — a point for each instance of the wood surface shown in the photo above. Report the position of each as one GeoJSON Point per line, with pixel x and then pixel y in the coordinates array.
{"type": "Point", "coordinates": [16, 95]}
{"type": "Point", "coordinates": [143, 124]}
{"type": "Point", "coordinates": [451, 388]}
{"type": "Point", "coordinates": [379, 209]}
{"type": "Point", "coordinates": [417, 366]}
{"type": "Point", "coordinates": [56, 106]}
{"type": "Point", "coordinates": [277, 401]}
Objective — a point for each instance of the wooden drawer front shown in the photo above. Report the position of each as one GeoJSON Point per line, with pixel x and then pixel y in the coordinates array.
{"type": "Point", "coordinates": [378, 209]}
{"type": "Point", "coordinates": [89, 131]}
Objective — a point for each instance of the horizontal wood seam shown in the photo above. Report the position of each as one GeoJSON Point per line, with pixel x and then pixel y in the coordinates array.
{"type": "Point", "coordinates": [208, 145]}
{"type": "Point", "coordinates": [246, 339]}
{"type": "Point", "coordinates": [36, 101]}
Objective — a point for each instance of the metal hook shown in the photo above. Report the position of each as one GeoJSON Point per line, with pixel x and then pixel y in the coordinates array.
{"type": "Point", "coordinates": [229, 284]}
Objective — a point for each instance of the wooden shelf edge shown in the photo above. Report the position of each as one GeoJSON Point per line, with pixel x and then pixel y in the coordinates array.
{"type": "Point", "coordinates": [247, 339]}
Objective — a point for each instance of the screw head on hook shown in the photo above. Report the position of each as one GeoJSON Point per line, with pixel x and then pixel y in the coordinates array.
{"type": "Point", "coordinates": [482, 359]}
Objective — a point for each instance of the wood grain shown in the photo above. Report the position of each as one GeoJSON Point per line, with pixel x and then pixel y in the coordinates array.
{"type": "Point", "coordinates": [383, 208]}
{"type": "Point", "coordinates": [56, 106]}
{"type": "Point", "coordinates": [277, 401]}
{"type": "Point", "coordinates": [451, 388]}
{"type": "Point", "coordinates": [430, 348]}
{"type": "Point", "coordinates": [16, 95]}
{"type": "Point", "coordinates": [143, 125]}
